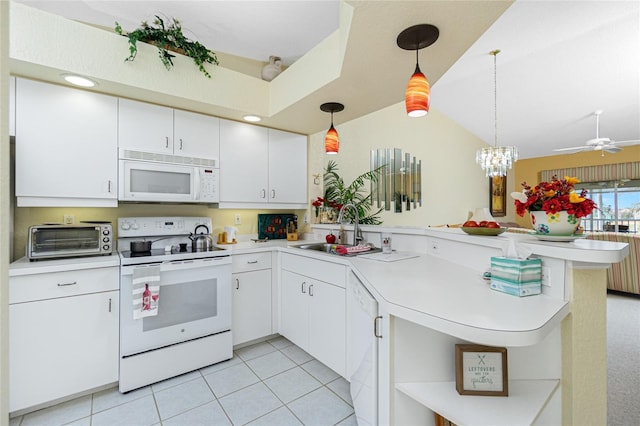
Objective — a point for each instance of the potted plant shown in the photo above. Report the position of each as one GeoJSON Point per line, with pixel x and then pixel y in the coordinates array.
{"type": "Point", "coordinates": [165, 38]}
{"type": "Point", "coordinates": [339, 193]}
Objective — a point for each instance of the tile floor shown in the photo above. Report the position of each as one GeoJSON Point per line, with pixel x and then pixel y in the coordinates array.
{"type": "Point", "coordinates": [269, 383]}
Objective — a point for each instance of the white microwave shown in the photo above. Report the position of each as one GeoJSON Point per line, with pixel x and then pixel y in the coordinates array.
{"type": "Point", "coordinates": [164, 182]}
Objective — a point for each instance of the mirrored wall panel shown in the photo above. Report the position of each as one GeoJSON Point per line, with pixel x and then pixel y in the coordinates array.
{"type": "Point", "coordinates": [399, 186]}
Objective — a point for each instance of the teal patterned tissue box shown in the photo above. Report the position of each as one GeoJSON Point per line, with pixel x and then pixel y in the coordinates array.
{"type": "Point", "coordinates": [519, 277]}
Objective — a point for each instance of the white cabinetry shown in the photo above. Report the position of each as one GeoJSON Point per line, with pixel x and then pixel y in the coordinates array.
{"type": "Point", "coordinates": [153, 128]}
{"type": "Point", "coordinates": [63, 334]}
{"type": "Point", "coordinates": [313, 308]}
{"type": "Point", "coordinates": [66, 146]}
{"type": "Point", "coordinates": [12, 106]}
{"type": "Point", "coordinates": [261, 168]}
{"type": "Point", "coordinates": [251, 297]}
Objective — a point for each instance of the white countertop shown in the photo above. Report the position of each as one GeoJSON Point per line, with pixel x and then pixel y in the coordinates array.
{"type": "Point", "coordinates": [428, 290]}
{"type": "Point", "coordinates": [23, 266]}
{"type": "Point", "coordinates": [455, 300]}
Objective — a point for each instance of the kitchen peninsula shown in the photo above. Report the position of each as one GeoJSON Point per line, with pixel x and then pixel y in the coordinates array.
{"type": "Point", "coordinates": [556, 341]}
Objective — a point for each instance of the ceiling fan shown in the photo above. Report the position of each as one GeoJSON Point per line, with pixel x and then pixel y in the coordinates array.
{"type": "Point", "coordinates": [598, 143]}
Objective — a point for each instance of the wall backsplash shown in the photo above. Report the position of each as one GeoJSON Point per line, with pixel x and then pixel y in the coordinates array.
{"type": "Point", "coordinates": [27, 216]}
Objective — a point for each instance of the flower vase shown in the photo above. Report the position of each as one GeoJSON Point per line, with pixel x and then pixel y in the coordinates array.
{"type": "Point", "coordinates": [558, 224]}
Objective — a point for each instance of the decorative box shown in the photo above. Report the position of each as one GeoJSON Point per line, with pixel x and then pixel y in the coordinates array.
{"type": "Point", "coordinates": [519, 277]}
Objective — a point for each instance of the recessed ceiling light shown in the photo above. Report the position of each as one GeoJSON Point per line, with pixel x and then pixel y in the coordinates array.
{"type": "Point", "coordinates": [78, 80]}
{"type": "Point", "coordinates": [252, 118]}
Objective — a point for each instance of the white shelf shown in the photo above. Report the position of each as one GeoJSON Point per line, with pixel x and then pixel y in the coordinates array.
{"type": "Point", "coordinates": [526, 400]}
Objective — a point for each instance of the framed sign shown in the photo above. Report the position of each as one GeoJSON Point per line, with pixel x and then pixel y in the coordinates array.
{"type": "Point", "coordinates": [498, 196]}
{"type": "Point", "coordinates": [481, 370]}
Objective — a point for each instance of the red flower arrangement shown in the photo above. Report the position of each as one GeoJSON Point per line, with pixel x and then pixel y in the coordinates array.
{"type": "Point", "coordinates": [321, 202]}
{"type": "Point", "coordinates": [552, 197]}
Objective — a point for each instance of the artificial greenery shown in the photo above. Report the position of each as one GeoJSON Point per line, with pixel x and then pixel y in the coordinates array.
{"type": "Point", "coordinates": [168, 37]}
{"type": "Point", "coordinates": [336, 190]}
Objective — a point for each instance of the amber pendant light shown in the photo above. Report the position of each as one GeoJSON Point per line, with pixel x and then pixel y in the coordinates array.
{"type": "Point", "coordinates": [331, 140]}
{"type": "Point", "coordinates": [418, 95]}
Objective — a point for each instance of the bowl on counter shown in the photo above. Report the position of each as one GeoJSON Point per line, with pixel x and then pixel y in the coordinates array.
{"type": "Point", "coordinates": [483, 231]}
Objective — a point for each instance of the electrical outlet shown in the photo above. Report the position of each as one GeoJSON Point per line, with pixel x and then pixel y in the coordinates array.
{"type": "Point", "coordinates": [236, 219]}
{"type": "Point", "coordinates": [306, 218]}
{"type": "Point", "coordinates": [69, 219]}
{"type": "Point", "coordinates": [546, 276]}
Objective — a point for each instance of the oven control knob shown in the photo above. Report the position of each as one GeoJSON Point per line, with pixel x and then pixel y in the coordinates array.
{"type": "Point", "coordinates": [126, 226]}
{"type": "Point", "coordinates": [105, 240]}
{"type": "Point", "coordinates": [105, 232]}
{"type": "Point", "coordinates": [105, 247]}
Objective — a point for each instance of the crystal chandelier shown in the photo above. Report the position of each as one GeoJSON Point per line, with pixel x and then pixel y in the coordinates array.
{"type": "Point", "coordinates": [496, 160]}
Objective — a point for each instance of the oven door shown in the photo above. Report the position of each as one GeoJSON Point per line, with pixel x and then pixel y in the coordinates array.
{"type": "Point", "coordinates": [194, 301]}
{"type": "Point", "coordinates": [159, 182]}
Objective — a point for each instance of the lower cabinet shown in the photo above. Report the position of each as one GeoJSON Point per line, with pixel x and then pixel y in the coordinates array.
{"type": "Point", "coordinates": [62, 346]}
{"type": "Point", "coordinates": [313, 316]}
{"type": "Point", "coordinates": [251, 297]}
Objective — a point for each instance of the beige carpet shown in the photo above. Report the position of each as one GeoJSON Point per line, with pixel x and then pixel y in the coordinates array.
{"type": "Point", "coordinates": [623, 360]}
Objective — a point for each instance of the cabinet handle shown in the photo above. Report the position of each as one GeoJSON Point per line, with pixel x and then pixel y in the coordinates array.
{"type": "Point", "coordinates": [180, 144]}
{"type": "Point", "coordinates": [66, 284]}
{"type": "Point", "coordinates": [109, 304]}
{"type": "Point", "coordinates": [264, 193]}
{"type": "Point", "coordinates": [273, 193]}
{"type": "Point", "coordinates": [237, 284]}
{"type": "Point", "coordinates": [109, 186]}
{"type": "Point", "coordinates": [302, 287]}
{"type": "Point", "coordinates": [375, 327]}
{"type": "Point", "coordinates": [166, 145]}
{"type": "Point", "coordinates": [311, 290]}
{"type": "Point", "coordinates": [251, 262]}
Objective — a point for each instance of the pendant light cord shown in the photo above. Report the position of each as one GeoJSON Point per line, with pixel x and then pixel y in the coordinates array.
{"type": "Point", "coordinates": [495, 97]}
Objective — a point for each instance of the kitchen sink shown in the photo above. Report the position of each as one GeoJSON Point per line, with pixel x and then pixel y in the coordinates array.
{"type": "Point", "coordinates": [326, 248]}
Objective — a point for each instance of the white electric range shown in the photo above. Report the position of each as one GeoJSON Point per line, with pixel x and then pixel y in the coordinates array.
{"type": "Point", "coordinates": [175, 303]}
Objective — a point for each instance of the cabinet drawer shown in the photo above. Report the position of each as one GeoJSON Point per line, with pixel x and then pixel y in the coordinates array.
{"type": "Point", "coordinates": [250, 262]}
{"type": "Point", "coordinates": [26, 288]}
{"type": "Point", "coordinates": [324, 271]}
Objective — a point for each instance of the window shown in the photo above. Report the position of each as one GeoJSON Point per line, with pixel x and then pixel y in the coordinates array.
{"type": "Point", "coordinates": [618, 206]}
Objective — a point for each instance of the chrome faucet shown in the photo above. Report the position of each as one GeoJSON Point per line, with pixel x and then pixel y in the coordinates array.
{"type": "Point", "coordinates": [357, 234]}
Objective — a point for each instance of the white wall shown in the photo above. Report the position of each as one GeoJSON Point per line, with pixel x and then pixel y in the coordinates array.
{"type": "Point", "coordinates": [452, 183]}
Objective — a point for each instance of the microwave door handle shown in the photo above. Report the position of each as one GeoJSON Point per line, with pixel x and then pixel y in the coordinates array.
{"type": "Point", "coordinates": [196, 184]}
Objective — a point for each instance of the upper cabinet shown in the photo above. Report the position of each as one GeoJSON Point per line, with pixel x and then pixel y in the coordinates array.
{"type": "Point", "coordinates": [153, 128]}
{"type": "Point", "coordinates": [66, 146]}
{"type": "Point", "coordinates": [261, 168]}
{"type": "Point", "coordinates": [12, 106]}
{"type": "Point", "coordinates": [244, 167]}
{"type": "Point", "coordinates": [287, 167]}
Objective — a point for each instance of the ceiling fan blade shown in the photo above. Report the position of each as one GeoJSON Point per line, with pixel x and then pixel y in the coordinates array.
{"type": "Point", "coordinates": [629, 142]}
{"type": "Point", "coordinates": [612, 149]}
{"type": "Point", "coordinates": [575, 148]}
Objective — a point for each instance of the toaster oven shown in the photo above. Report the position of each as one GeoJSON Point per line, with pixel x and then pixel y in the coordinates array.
{"type": "Point", "coordinates": [52, 241]}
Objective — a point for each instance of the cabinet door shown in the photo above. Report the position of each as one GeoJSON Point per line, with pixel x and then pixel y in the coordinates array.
{"type": "Point", "coordinates": [12, 106]}
{"type": "Point", "coordinates": [145, 127]}
{"type": "Point", "coordinates": [196, 135]}
{"type": "Point", "coordinates": [251, 305]}
{"type": "Point", "coordinates": [294, 315]}
{"type": "Point", "coordinates": [66, 142]}
{"type": "Point", "coordinates": [287, 167]}
{"type": "Point", "coordinates": [243, 162]}
{"type": "Point", "coordinates": [60, 347]}
{"type": "Point", "coordinates": [327, 325]}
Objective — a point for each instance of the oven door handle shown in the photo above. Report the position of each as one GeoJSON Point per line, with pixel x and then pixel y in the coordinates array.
{"type": "Point", "coordinates": [176, 265]}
